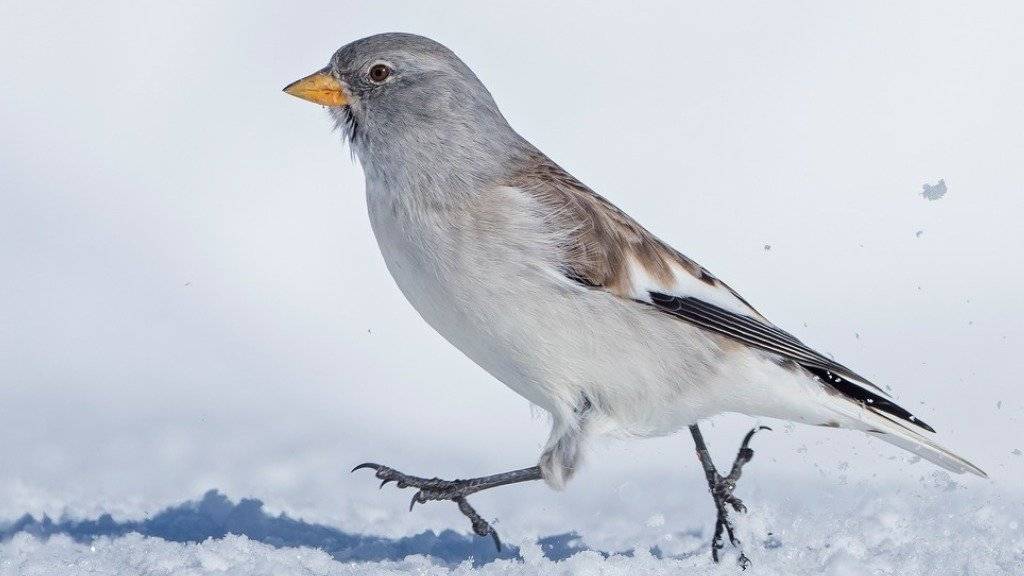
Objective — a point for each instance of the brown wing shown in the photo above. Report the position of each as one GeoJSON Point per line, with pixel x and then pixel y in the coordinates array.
{"type": "Point", "coordinates": [606, 247]}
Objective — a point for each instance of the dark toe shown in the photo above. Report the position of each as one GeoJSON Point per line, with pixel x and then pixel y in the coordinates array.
{"type": "Point", "coordinates": [371, 465]}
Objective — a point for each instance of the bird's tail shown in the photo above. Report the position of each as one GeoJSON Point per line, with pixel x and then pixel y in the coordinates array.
{"type": "Point", "coordinates": [900, 433]}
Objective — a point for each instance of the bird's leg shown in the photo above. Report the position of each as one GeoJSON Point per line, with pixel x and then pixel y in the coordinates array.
{"type": "Point", "coordinates": [454, 490]}
{"type": "Point", "coordinates": [722, 487]}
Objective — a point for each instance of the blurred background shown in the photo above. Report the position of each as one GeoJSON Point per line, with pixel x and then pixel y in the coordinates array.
{"type": "Point", "coordinates": [191, 296]}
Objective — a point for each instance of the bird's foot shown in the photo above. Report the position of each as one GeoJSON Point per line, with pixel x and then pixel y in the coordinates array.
{"type": "Point", "coordinates": [721, 492]}
{"type": "Point", "coordinates": [721, 488]}
{"type": "Point", "coordinates": [438, 489]}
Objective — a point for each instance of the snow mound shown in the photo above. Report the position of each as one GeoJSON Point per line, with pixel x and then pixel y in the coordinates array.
{"type": "Point", "coordinates": [891, 534]}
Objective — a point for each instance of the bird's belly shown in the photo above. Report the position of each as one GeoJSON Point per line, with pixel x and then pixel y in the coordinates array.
{"type": "Point", "coordinates": [466, 313]}
{"type": "Point", "coordinates": [554, 343]}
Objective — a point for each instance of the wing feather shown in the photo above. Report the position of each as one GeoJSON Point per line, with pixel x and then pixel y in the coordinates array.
{"type": "Point", "coordinates": [755, 333]}
{"type": "Point", "coordinates": [605, 249]}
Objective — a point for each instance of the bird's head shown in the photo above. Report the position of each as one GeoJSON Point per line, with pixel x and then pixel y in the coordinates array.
{"type": "Point", "coordinates": [405, 100]}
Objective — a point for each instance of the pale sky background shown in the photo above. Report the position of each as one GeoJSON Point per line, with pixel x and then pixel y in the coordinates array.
{"type": "Point", "coordinates": [191, 296]}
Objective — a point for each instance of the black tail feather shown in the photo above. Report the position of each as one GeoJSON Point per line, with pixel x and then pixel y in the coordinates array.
{"type": "Point", "coordinates": [860, 394]}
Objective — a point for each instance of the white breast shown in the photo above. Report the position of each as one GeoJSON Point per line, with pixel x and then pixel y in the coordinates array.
{"type": "Point", "coordinates": [486, 277]}
{"type": "Point", "coordinates": [460, 270]}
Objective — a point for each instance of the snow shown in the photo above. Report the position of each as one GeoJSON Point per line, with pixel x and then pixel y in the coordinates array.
{"type": "Point", "coordinates": [945, 530]}
{"type": "Point", "coordinates": [934, 191]}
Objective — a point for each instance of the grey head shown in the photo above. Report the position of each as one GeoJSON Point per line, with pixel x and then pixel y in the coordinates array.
{"type": "Point", "coordinates": [410, 108]}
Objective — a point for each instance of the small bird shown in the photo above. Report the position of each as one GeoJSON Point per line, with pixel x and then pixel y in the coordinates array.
{"type": "Point", "coordinates": [559, 294]}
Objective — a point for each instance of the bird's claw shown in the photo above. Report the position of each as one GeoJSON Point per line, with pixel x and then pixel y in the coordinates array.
{"type": "Point", "coordinates": [722, 495]}
{"type": "Point", "coordinates": [376, 467]}
{"type": "Point", "coordinates": [422, 496]}
{"type": "Point", "coordinates": [722, 492]}
{"type": "Point", "coordinates": [480, 526]}
{"type": "Point", "coordinates": [435, 489]}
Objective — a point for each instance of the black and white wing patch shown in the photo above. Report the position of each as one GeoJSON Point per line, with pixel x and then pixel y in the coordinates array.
{"type": "Point", "coordinates": [771, 339]}
{"type": "Point", "coordinates": [605, 249]}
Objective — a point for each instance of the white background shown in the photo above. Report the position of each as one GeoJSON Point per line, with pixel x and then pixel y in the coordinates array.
{"type": "Point", "coordinates": [191, 297]}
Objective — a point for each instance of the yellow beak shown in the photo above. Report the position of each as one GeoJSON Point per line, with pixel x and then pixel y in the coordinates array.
{"type": "Point", "coordinates": [319, 87]}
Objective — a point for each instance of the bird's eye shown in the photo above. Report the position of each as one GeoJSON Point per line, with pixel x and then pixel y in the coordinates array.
{"type": "Point", "coordinates": [379, 72]}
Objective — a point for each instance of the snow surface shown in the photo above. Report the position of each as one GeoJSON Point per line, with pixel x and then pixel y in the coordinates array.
{"type": "Point", "coordinates": [948, 531]}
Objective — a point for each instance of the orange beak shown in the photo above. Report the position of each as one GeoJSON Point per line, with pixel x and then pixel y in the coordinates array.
{"type": "Point", "coordinates": [320, 87]}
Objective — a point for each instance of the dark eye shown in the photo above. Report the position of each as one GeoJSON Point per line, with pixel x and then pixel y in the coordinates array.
{"type": "Point", "coordinates": [379, 72]}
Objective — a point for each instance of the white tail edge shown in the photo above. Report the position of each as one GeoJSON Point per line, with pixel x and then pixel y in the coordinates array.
{"type": "Point", "coordinates": [897, 433]}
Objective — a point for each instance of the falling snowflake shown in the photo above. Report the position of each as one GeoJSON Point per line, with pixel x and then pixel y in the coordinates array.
{"type": "Point", "coordinates": [934, 191]}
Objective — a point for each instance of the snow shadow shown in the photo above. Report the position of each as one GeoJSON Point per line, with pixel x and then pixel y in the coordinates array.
{"type": "Point", "coordinates": [215, 516]}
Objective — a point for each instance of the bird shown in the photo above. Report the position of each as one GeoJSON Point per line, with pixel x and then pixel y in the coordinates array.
{"type": "Point", "coordinates": [559, 294]}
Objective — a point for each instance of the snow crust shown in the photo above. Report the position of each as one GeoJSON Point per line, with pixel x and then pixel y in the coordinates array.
{"type": "Point", "coordinates": [952, 532]}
